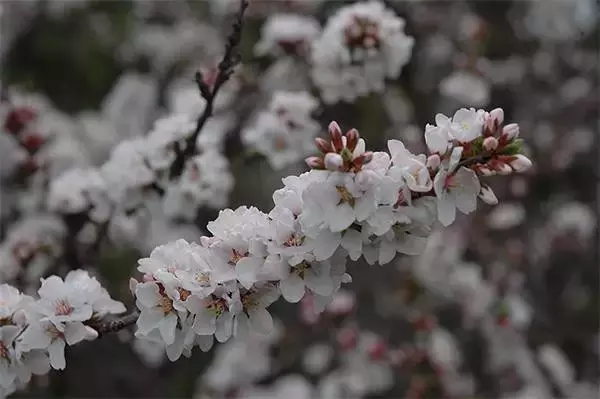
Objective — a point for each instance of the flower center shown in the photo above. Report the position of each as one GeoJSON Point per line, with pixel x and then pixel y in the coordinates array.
{"type": "Point", "coordinates": [53, 332]}
{"type": "Point", "coordinates": [183, 293]}
{"type": "Point", "coordinates": [345, 196]}
{"type": "Point", "coordinates": [279, 143]}
{"type": "Point", "coordinates": [301, 268]}
{"type": "Point", "coordinates": [203, 278]}
{"type": "Point", "coordinates": [362, 33]}
{"type": "Point", "coordinates": [236, 256]}
{"type": "Point", "coordinates": [62, 308]}
{"type": "Point", "coordinates": [4, 354]}
{"type": "Point", "coordinates": [216, 306]}
{"type": "Point", "coordinates": [294, 241]}
{"type": "Point", "coordinates": [166, 304]}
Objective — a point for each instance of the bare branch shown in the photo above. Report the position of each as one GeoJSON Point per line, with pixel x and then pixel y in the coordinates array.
{"type": "Point", "coordinates": [231, 59]}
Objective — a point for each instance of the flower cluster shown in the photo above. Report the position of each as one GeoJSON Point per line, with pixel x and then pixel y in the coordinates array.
{"type": "Point", "coordinates": [285, 131]}
{"type": "Point", "coordinates": [287, 34]}
{"type": "Point", "coordinates": [139, 165]}
{"type": "Point", "coordinates": [351, 203]}
{"type": "Point", "coordinates": [34, 333]}
{"type": "Point", "coordinates": [361, 45]}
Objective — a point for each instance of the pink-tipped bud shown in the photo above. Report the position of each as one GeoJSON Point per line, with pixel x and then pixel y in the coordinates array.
{"type": "Point", "coordinates": [510, 131]}
{"type": "Point", "coordinates": [434, 161]}
{"type": "Point", "coordinates": [497, 117]}
{"type": "Point", "coordinates": [323, 145]}
{"type": "Point", "coordinates": [336, 136]}
{"type": "Point", "coordinates": [487, 195]}
{"type": "Point", "coordinates": [521, 163]}
{"type": "Point", "coordinates": [352, 139]}
{"type": "Point", "coordinates": [347, 338]}
{"type": "Point", "coordinates": [490, 143]}
{"type": "Point", "coordinates": [378, 350]}
{"type": "Point", "coordinates": [333, 161]}
{"type": "Point", "coordinates": [315, 163]}
{"type": "Point", "coordinates": [363, 159]}
{"type": "Point", "coordinates": [502, 168]}
{"type": "Point", "coordinates": [484, 170]}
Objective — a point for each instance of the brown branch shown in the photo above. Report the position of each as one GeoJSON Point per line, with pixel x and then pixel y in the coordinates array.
{"type": "Point", "coordinates": [117, 324]}
{"type": "Point", "coordinates": [231, 59]}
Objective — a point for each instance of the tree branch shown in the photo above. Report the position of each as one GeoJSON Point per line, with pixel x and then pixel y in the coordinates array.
{"type": "Point", "coordinates": [231, 59]}
{"type": "Point", "coordinates": [117, 324]}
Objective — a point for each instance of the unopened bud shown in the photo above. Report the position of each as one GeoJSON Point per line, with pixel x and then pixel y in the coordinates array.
{"type": "Point", "coordinates": [33, 142]}
{"type": "Point", "coordinates": [434, 161]}
{"type": "Point", "coordinates": [333, 161]}
{"type": "Point", "coordinates": [497, 116]}
{"type": "Point", "coordinates": [378, 350]}
{"type": "Point", "coordinates": [363, 159]}
{"type": "Point", "coordinates": [521, 163]}
{"type": "Point", "coordinates": [315, 163]}
{"type": "Point", "coordinates": [490, 143]}
{"type": "Point", "coordinates": [347, 338]}
{"type": "Point", "coordinates": [323, 145]}
{"type": "Point", "coordinates": [484, 170]}
{"type": "Point", "coordinates": [352, 139]}
{"type": "Point", "coordinates": [487, 195]}
{"type": "Point", "coordinates": [336, 136]}
{"type": "Point", "coordinates": [503, 168]}
{"type": "Point", "coordinates": [510, 131]}
{"type": "Point", "coordinates": [18, 118]}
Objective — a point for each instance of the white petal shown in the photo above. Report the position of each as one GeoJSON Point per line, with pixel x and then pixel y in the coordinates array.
{"type": "Point", "coordinates": [205, 323]}
{"type": "Point", "coordinates": [147, 294]}
{"type": "Point", "coordinates": [167, 328]}
{"type": "Point", "coordinates": [446, 210]}
{"type": "Point", "coordinates": [341, 218]}
{"type": "Point", "coordinates": [74, 333]}
{"type": "Point", "coordinates": [261, 320]}
{"type": "Point", "coordinates": [224, 327]}
{"type": "Point", "coordinates": [149, 320]}
{"type": "Point", "coordinates": [292, 288]}
{"type": "Point", "coordinates": [387, 252]}
{"type": "Point", "coordinates": [56, 351]}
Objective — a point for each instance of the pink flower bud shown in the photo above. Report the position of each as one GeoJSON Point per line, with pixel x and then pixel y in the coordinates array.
{"type": "Point", "coordinates": [378, 350]}
{"type": "Point", "coordinates": [490, 143]}
{"type": "Point", "coordinates": [521, 163]}
{"type": "Point", "coordinates": [484, 170]}
{"type": "Point", "coordinates": [352, 139]}
{"type": "Point", "coordinates": [336, 136]}
{"type": "Point", "coordinates": [315, 163]}
{"type": "Point", "coordinates": [510, 131]}
{"type": "Point", "coordinates": [333, 161]}
{"type": "Point", "coordinates": [497, 116]}
{"type": "Point", "coordinates": [503, 168]}
{"type": "Point", "coordinates": [323, 145]}
{"type": "Point", "coordinates": [487, 195]}
{"type": "Point", "coordinates": [434, 161]}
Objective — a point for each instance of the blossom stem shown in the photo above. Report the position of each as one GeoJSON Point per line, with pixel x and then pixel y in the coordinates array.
{"type": "Point", "coordinates": [226, 67]}
{"type": "Point", "coordinates": [117, 324]}
{"type": "Point", "coordinates": [483, 158]}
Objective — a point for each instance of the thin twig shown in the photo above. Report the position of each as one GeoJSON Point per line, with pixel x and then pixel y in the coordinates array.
{"type": "Point", "coordinates": [117, 324]}
{"type": "Point", "coordinates": [231, 59]}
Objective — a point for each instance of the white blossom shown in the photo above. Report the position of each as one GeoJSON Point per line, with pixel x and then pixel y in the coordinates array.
{"type": "Point", "coordinates": [361, 45]}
